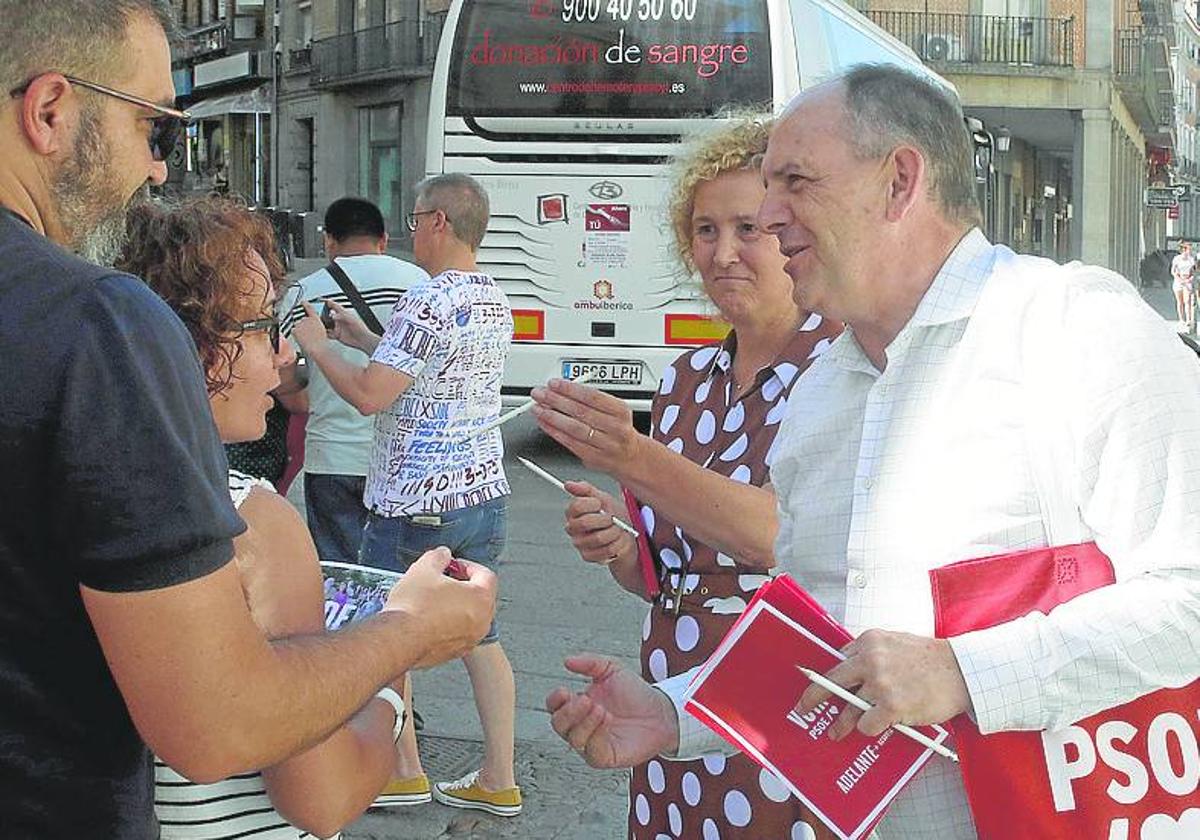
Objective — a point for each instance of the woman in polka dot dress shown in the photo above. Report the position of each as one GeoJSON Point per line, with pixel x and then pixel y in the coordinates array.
{"type": "Point", "coordinates": [713, 422]}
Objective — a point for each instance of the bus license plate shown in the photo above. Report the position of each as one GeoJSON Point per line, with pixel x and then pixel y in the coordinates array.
{"type": "Point", "coordinates": [604, 373]}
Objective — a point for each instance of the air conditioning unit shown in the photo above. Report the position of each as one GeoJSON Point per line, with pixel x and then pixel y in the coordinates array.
{"type": "Point", "coordinates": [934, 46]}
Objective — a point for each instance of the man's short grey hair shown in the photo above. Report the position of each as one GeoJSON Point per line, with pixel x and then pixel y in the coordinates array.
{"type": "Point", "coordinates": [463, 200]}
{"type": "Point", "coordinates": [888, 106]}
{"type": "Point", "coordinates": [76, 37]}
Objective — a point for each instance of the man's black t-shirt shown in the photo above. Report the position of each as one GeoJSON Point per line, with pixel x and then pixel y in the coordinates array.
{"type": "Point", "coordinates": [111, 476]}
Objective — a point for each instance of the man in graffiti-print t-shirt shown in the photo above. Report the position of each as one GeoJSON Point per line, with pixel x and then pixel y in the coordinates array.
{"type": "Point", "coordinates": [451, 334]}
{"type": "Point", "coordinates": [434, 478]}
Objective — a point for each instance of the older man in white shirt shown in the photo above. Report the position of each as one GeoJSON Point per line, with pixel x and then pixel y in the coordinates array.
{"type": "Point", "coordinates": [911, 444]}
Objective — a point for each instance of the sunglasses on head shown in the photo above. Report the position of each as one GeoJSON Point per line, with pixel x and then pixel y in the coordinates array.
{"type": "Point", "coordinates": [165, 129]}
{"type": "Point", "coordinates": [268, 325]}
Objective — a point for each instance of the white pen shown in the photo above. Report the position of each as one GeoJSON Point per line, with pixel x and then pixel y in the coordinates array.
{"type": "Point", "coordinates": [541, 473]}
{"type": "Point", "coordinates": [859, 703]}
{"type": "Point", "coordinates": [523, 407]}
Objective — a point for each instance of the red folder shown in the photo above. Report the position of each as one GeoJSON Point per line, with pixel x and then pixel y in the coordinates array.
{"type": "Point", "coordinates": [747, 693]}
{"type": "Point", "coordinates": [645, 556]}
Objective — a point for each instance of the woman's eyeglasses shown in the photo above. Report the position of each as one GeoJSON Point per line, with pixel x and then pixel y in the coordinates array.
{"type": "Point", "coordinates": [268, 325]}
{"type": "Point", "coordinates": [165, 128]}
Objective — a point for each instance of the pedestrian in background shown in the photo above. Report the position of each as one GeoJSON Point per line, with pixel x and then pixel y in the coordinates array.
{"type": "Point", "coordinates": [337, 437]}
{"type": "Point", "coordinates": [699, 477]}
{"type": "Point", "coordinates": [1183, 269]}
{"type": "Point", "coordinates": [433, 382]}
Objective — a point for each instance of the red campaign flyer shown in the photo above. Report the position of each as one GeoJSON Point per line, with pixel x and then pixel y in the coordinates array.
{"type": "Point", "coordinates": [747, 693]}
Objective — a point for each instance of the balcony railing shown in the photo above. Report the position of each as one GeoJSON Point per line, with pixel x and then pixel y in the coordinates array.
{"type": "Point", "coordinates": [300, 60]}
{"type": "Point", "coordinates": [406, 46]}
{"type": "Point", "coordinates": [983, 39]}
{"type": "Point", "coordinates": [1185, 167]}
{"type": "Point", "coordinates": [1127, 60]}
{"type": "Point", "coordinates": [1143, 75]}
{"type": "Point", "coordinates": [213, 37]}
{"type": "Point", "coordinates": [1165, 110]}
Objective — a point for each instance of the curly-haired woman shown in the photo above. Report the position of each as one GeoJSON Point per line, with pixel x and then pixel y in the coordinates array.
{"type": "Point", "coordinates": [214, 262]}
{"type": "Point", "coordinates": [699, 478]}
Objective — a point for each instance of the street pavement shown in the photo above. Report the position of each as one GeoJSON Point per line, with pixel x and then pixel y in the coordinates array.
{"type": "Point", "coordinates": [551, 604]}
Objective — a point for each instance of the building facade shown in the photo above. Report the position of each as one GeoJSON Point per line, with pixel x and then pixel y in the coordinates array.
{"type": "Point", "coordinates": [352, 99]}
{"type": "Point", "coordinates": [222, 70]}
{"type": "Point", "coordinates": [1079, 99]}
{"type": "Point", "coordinates": [1184, 222]}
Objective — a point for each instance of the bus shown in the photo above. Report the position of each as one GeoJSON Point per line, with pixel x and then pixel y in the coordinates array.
{"type": "Point", "coordinates": [567, 112]}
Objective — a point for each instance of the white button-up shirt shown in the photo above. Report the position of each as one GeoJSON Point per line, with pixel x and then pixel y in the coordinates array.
{"type": "Point", "coordinates": [882, 476]}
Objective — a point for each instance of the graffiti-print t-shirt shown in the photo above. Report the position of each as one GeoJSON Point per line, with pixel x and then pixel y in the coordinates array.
{"type": "Point", "coordinates": [451, 334]}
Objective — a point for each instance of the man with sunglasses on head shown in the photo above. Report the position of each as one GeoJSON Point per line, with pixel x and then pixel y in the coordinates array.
{"type": "Point", "coordinates": [122, 621]}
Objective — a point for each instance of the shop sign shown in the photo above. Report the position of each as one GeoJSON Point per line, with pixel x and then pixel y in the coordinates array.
{"type": "Point", "coordinates": [1161, 198]}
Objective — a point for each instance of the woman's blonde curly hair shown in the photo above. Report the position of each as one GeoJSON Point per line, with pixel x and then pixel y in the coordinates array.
{"type": "Point", "coordinates": [735, 146]}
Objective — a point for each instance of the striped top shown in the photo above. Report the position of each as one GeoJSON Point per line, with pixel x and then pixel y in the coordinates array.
{"type": "Point", "coordinates": [237, 807]}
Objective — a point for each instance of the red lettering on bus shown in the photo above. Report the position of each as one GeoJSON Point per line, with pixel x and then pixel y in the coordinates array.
{"type": "Point", "coordinates": [707, 58]}
{"type": "Point", "coordinates": [573, 51]}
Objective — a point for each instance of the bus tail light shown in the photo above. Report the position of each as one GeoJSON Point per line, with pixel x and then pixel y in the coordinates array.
{"type": "Point", "coordinates": [529, 325]}
{"type": "Point", "coordinates": [694, 329]}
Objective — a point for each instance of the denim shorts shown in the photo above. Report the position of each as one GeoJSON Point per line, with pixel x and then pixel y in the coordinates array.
{"type": "Point", "coordinates": [473, 533]}
{"type": "Point", "coordinates": [336, 515]}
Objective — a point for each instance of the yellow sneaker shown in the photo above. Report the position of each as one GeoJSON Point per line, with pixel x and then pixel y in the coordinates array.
{"type": "Point", "coordinates": [414, 791]}
{"type": "Point", "coordinates": [466, 793]}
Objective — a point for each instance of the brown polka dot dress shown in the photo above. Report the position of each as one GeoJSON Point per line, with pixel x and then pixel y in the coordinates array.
{"type": "Point", "coordinates": [697, 413]}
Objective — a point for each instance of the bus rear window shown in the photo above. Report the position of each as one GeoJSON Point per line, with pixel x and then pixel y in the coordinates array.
{"type": "Point", "coordinates": [608, 58]}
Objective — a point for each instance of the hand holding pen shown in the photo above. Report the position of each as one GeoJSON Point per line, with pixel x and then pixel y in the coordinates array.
{"type": "Point", "coordinates": [610, 556]}
{"type": "Point", "coordinates": [902, 678]}
{"type": "Point", "coordinates": [862, 705]}
{"type": "Point", "coordinates": [591, 523]}
{"type": "Point", "coordinates": [522, 408]}
{"type": "Point", "coordinates": [596, 427]}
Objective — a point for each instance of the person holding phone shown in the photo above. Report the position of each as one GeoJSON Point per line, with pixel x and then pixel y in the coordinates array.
{"type": "Point", "coordinates": [337, 437]}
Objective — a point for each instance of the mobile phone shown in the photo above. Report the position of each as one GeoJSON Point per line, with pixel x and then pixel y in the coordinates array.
{"type": "Point", "coordinates": [327, 316]}
{"type": "Point", "coordinates": [301, 372]}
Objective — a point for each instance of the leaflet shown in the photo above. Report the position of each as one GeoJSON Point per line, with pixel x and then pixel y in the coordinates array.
{"type": "Point", "coordinates": [354, 592]}
{"type": "Point", "coordinates": [748, 691]}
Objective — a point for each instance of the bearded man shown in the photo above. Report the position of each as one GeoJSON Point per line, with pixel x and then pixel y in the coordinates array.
{"type": "Point", "coordinates": [122, 622]}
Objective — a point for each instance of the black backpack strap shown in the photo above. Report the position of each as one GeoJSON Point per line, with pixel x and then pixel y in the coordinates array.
{"type": "Point", "coordinates": [356, 299]}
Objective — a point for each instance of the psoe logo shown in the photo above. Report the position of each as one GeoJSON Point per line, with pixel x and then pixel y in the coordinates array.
{"type": "Point", "coordinates": [606, 190]}
{"type": "Point", "coordinates": [603, 290]}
